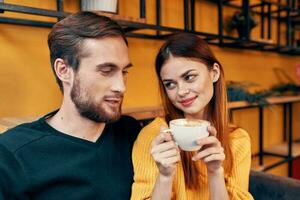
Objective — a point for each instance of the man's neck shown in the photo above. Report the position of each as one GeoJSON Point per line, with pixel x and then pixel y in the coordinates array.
{"type": "Point", "coordinates": [67, 120]}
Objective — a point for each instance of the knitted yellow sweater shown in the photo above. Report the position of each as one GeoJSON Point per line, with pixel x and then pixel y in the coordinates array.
{"type": "Point", "coordinates": [145, 170]}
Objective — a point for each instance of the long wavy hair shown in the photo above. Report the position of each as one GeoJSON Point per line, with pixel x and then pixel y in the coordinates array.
{"type": "Point", "coordinates": [187, 45]}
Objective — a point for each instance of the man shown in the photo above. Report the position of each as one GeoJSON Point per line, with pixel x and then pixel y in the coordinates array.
{"type": "Point", "coordinates": [83, 150]}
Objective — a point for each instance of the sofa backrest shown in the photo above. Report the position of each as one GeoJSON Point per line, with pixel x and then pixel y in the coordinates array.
{"type": "Point", "coordinates": [264, 186]}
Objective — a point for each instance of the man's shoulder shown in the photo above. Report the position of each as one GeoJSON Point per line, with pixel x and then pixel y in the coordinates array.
{"type": "Point", "coordinates": [127, 122]}
{"type": "Point", "coordinates": [129, 125]}
{"type": "Point", "coordinates": [23, 134]}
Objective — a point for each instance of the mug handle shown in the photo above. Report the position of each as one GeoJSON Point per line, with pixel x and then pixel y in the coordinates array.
{"type": "Point", "coordinates": [168, 131]}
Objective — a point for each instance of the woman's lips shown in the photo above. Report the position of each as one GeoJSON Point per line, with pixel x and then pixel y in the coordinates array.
{"type": "Point", "coordinates": [187, 102]}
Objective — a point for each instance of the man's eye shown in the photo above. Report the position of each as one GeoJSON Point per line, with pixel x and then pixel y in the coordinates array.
{"type": "Point", "coordinates": [169, 85]}
{"type": "Point", "coordinates": [125, 72]}
{"type": "Point", "coordinates": [106, 70]}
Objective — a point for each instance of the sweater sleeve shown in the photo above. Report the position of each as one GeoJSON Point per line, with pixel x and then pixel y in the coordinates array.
{"type": "Point", "coordinates": [145, 169]}
{"type": "Point", "coordinates": [237, 182]}
{"type": "Point", "coordinates": [13, 182]}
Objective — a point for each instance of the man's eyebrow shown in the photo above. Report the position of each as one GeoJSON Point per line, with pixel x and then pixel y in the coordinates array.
{"type": "Point", "coordinates": [107, 64]}
{"type": "Point", "coordinates": [128, 66]}
{"type": "Point", "coordinates": [111, 65]}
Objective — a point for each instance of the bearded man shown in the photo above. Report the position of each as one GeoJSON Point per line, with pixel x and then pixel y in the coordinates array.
{"type": "Point", "coordinates": [82, 150]}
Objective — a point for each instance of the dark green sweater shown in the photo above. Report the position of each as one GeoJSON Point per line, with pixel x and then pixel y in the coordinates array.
{"type": "Point", "coordinates": [39, 162]}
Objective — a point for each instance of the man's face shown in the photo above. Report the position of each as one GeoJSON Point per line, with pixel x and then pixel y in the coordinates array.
{"type": "Point", "coordinates": [99, 83]}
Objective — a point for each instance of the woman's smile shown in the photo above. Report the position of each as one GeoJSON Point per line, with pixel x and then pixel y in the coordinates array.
{"type": "Point", "coordinates": [187, 102]}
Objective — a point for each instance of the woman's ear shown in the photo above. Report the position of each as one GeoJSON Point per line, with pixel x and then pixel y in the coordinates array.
{"type": "Point", "coordinates": [62, 71]}
{"type": "Point", "coordinates": [215, 72]}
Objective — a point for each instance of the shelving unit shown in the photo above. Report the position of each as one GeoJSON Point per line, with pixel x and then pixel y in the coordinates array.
{"type": "Point", "coordinates": [287, 14]}
{"type": "Point", "coordinates": [287, 151]}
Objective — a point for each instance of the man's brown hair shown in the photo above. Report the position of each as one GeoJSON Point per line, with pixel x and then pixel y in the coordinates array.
{"type": "Point", "coordinates": [66, 37]}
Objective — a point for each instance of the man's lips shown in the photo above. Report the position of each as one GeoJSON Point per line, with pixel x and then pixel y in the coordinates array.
{"type": "Point", "coordinates": [187, 102]}
{"type": "Point", "coordinates": [113, 102]}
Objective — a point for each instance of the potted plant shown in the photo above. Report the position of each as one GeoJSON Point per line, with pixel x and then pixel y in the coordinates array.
{"type": "Point", "coordinates": [238, 21]}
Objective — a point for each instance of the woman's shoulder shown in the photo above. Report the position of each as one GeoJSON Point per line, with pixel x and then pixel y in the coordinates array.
{"type": "Point", "coordinates": [240, 142]}
{"type": "Point", "coordinates": [152, 128]}
{"type": "Point", "coordinates": [156, 122]}
{"type": "Point", "coordinates": [238, 134]}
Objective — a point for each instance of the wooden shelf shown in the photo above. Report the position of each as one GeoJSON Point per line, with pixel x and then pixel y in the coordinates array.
{"type": "Point", "coordinates": [9, 122]}
{"type": "Point", "coordinates": [267, 160]}
{"type": "Point", "coordinates": [121, 18]}
{"type": "Point", "coordinates": [145, 112]}
{"type": "Point", "coordinates": [270, 100]}
{"type": "Point", "coordinates": [282, 149]}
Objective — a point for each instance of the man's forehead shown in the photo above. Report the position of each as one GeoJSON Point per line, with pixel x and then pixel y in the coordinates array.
{"type": "Point", "coordinates": [103, 42]}
{"type": "Point", "coordinates": [107, 48]}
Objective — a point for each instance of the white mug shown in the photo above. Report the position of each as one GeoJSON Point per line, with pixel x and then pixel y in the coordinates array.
{"type": "Point", "coordinates": [187, 131]}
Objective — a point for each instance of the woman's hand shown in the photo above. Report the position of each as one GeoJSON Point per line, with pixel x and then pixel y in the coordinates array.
{"type": "Point", "coordinates": [165, 153]}
{"type": "Point", "coordinates": [211, 152]}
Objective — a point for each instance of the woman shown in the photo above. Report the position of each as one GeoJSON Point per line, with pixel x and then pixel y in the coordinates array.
{"type": "Point", "coordinates": [192, 86]}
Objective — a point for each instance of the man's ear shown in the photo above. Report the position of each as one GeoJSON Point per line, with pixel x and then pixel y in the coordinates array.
{"type": "Point", "coordinates": [63, 72]}
{"type": "Point", "coordinates": [215, 72]}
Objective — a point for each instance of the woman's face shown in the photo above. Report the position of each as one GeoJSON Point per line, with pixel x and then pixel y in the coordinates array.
{"type": "Point", "coordinates": [189, 84]}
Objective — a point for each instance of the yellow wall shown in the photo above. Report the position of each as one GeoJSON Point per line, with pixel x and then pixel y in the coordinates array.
{"type": "Point", "coordinates": [28, 86]}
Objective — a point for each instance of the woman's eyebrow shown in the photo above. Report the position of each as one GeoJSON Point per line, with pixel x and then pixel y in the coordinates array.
{"type": "Point", "coordinates": [187, 72]}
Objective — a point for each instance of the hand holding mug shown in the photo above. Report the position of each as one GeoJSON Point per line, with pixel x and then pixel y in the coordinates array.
{"type": "Point", "coordinates": [211, 151]}
{"type": "Point", "coordinates": [165, 153]}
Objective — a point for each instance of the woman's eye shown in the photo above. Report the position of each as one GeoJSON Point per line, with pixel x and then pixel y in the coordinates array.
{"type": "Point", "coordinates": [169, 85]}
{"type": "Point", "coordinates": [189, 77]}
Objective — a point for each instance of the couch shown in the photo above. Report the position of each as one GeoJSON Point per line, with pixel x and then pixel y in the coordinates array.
{"type": "Point", "coordinates": [264, 186]}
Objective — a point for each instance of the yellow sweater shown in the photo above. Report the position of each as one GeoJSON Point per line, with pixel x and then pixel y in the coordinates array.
{"type": "Point", "coordinates": [145, 170]}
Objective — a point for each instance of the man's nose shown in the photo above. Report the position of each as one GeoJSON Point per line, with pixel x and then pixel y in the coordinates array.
{"type": "Point", "coordinates": [118, 84]}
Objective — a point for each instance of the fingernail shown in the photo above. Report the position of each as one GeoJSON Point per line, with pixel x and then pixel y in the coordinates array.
{"type": "Point", "coordinates": [167, 131]}
{"type": "Point", "coordinates": [193, 158]}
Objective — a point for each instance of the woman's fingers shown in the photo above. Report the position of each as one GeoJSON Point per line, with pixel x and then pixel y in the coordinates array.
{"type": "Point", "coordinates": [167, 154]}
{"type": "Point", "coordinates": [160, 138]}
{"type": "Point", "coordinates": [207, 152]}
{"type": "Point", "coordinates": [163, 147]}
{"type": "Point", "coordinates": [211, 141]}
{"type": "Point", "coordinates": [212, 131]}
{"type": "Point", "coordinates": [210, 148]}
{"type": "Point", "coordinates": [166, 158]}
{"type": "Point", "coordinates": [214, 157]}
{"type": "Point", "coordinates": [163, 136]}
{"type": "Point", "coordinates": [170, 161]}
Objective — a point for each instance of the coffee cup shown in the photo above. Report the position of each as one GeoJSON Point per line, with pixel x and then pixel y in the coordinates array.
{"type": "Point", "coordinates": [187, 131]}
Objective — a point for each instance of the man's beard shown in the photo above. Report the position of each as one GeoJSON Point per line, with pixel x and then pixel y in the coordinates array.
{"type": "Point", "coordinates": [89, 109]}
